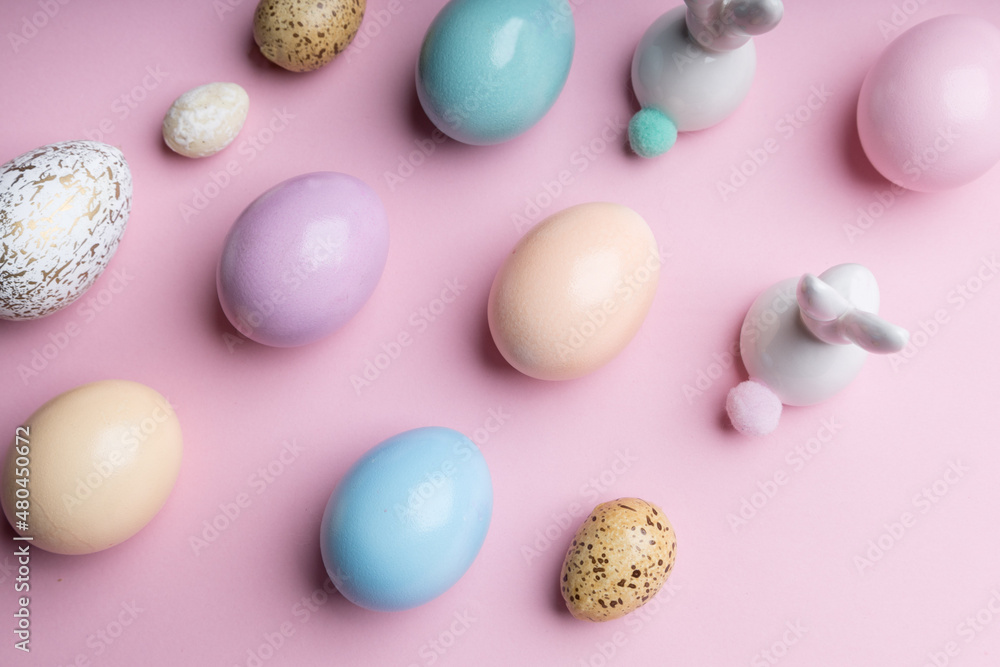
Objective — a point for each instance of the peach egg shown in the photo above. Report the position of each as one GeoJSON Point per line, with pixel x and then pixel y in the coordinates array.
{"type": "Point", "coordinates": [574, 291]}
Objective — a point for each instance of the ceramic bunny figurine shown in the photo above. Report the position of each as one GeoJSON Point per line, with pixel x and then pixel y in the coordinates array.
{"type": "Point", "coordinates": [694, 66]}
{"type": "Point", "coordinates": [804, 340]}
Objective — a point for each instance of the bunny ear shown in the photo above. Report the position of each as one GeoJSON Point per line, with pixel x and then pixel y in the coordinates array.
{"type": "Point", "coordinates": [702, 16]}
{"type": "Point", "coordinates": [819, 301]}
{"type": "Point", "coordinates": [872, 333]}
{"type": "Point", "coordinates": [704, 8]}
{"type": "Point", "coordinates": [752, 17]}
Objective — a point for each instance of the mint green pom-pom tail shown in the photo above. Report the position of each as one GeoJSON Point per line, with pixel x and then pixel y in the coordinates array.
{"type": "Point", "coordinates": [651, 133]}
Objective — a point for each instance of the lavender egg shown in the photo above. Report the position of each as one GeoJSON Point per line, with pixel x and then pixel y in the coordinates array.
{"type": "Point", "coordinates": [303, 258]}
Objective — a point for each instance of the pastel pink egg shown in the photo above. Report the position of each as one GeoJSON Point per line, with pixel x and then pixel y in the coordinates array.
{"type": "Point", "coordinates": [303, 258]}
{"type": "Point", "coordinates": [929, 110]}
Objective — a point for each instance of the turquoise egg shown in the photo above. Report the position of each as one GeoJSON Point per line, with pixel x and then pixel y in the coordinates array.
{"type": "Point", "coordinates": [407, 520]}
{"type": "Point", "coordinates": [490, 69]}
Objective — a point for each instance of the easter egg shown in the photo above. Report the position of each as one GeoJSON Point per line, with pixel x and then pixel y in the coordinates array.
{"type": "Point", "coordinates": [407, 520]}
{"type": "Point", "coordinates": [304, 35]}
{"type": "Point", "coordinates": [619, 559]}
{"type": "Point", "coordinates": [303, 258]}
{"type": "Point", "coordinates": [929, 108]}
{"type": "Point", "coordinates": [205, 119]}
{"type": "Point", "coordinates": [489, 70]}
{"type": "Point", "coordinates": [574, 291]}
{"type": "Point", "coordinates": [92, 467]}
{"type": "Point", "coordinates": [63, 209]}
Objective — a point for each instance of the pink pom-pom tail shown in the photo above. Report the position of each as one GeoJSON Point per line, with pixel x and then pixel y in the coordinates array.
{"type": "Point", "coordinates": [753, 408]}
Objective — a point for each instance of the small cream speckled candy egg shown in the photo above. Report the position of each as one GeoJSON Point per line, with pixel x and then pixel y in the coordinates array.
{"type": "Point", "coordinates": [620, 558]}
{"type": "Point", "coordinates": [63, 209]}
{"type": "Point", "coordinates": [303, 35]}
{"type": "Point", "coordinates": [206, 119]}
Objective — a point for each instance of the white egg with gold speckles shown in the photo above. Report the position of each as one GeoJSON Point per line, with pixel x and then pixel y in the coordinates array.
{"type": "Point", "coordinates": [63, 209]}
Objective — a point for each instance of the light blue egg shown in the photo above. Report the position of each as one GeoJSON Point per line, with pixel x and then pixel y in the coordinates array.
{"type": "Point", "coordinates": [407, 519]}
{"type": "Point", "coordinates": [490, 69]}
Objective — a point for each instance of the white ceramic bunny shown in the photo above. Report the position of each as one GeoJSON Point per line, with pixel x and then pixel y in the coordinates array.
{"type": "Point", "coordinates": [805, 339]}
{"type": "Point", "coordinates": [693, 67]}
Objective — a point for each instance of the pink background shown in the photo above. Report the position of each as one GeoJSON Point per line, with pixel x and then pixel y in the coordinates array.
{"type": "Point", "coordinates": [628, 429]}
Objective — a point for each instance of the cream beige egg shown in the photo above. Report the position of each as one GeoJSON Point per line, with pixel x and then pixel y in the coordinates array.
{"type": "Point", "coordinates": [574, 291]}
{"type": "Point", "coordinates": [302, 35]}
{"type": "Point", "coordinates": [206, 119]}
{"type": "Point", "coordinates": [63, 209]}
{"type": "Point", "coordinates": [619, 559]}
{"type": "Point", "coordinates": [97, 464]}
